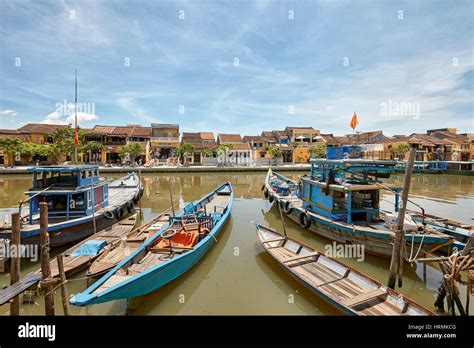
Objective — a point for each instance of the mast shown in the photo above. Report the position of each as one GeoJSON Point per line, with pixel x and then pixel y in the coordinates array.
{"type": "Point", "coordinates": [75, 122]}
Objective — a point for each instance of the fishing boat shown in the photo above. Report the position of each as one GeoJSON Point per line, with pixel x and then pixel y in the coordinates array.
{"type": "Point", "coordinates": [344, 287]}
{"type": "Point", "coordinates": [124, 247]}
{"type": "Point", "coordinates": [171, 252]}
{"type": "Point", "coordinates": [84, 253]}
{"type": "Point", "coordinates": [340, 200]}
{"type": "Point", "coordinates": [439, 167]}
{"type": "Point", "coordinates": [79, 203]}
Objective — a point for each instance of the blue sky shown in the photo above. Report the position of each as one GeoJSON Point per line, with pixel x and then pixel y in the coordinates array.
{"type": "Point", "coordinates": [240, 66]}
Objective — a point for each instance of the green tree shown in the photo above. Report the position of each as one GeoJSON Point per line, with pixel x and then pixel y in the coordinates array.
{"type": "Point", "coordinates": [11, 146]}
{"type": "Point", "coordinates": [184, 151]}
{"type": "Point", "coordinates": [275, 153]}
{"type": "Point", "coordinates": [318, 150]}
{"type": "Point", "coordinates": [206, 152]}
{"type": "Point", "coordinates": [295, 144]}
{"type": "Point", "coordinates": [132, 150]}
{"type": "Point", "coordinates": [90, 147]}
{"type": "Point", "coordinates": [401, 149]}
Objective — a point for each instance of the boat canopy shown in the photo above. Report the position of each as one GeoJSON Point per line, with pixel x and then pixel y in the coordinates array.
{"type": "Point", "coordinates": [70, 191]}
{"type": "Point", "coordinates": [64, 177]}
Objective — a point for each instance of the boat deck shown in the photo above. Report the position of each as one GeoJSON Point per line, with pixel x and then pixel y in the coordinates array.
{"type": "Point", "coordinates": [340, 286]}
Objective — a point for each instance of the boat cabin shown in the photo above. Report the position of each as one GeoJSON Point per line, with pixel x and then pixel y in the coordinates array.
{"type": "Point", "coordinates": [346, 190]}
{"type": "Point", "coordinates": [70, 191]}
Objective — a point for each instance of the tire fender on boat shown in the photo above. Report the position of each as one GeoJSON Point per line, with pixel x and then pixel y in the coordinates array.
{"type": "Point", "coordinates": [304, 220]}
{"type": "Point", "coordinates": [265, 193]}
{"type": "Point", "coordinates": [130, 206]}
{"type": "Point", "coordinates": [286, 207]}
{"type": "Point", "coordinates": [119, 213]}
{"type": "Point", "coordinates": [136, 198]}
{"type": "Point", "coordinates": [109, 215]}
{"type": "Point", "coordinates": [271, 198]}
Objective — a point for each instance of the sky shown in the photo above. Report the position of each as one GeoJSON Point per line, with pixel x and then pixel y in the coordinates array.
{"type": "Point", "coordinates": [239, 66]}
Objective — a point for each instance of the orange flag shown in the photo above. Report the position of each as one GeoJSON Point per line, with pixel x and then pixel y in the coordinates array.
{"type": "Point", "coordinates": [354, 121]}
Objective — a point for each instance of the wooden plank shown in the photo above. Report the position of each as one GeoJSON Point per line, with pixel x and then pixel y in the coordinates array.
{"type": "Point", "coordinates": [16, 289]}
{"type": "Point", "coordinates": [364, 297]}
{"type": "Point", "coordinates": [274, 240]}
{"type": "Point", "coordinates": [299, 257]}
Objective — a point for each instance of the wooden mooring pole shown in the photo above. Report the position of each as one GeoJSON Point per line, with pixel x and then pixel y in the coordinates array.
{"type": "Point", "coordinates": [15, 262]}
{"type": "Point", "coordinates": [396, 263]}
{"type": "Point", "coordinates": [47, 282]}
{"type": "Point", "coordinates": [64, 292]}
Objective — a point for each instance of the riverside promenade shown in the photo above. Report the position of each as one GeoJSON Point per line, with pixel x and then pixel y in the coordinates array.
{"type": "Point", "coordinates": [177, 169]}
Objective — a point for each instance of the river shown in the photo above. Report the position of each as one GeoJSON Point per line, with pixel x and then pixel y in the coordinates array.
{"type": "Point", "coordinates": [237, 277]}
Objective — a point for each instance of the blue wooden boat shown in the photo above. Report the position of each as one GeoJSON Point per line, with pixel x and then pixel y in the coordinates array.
{"type": "Point", "coordinates": [350, 291]}
{"type": "Point", "coordinates": [79, 203]}
{"type": "Point", "coordinates": [171, 252]}
{"type": "Point", "coordinates": [340, 200]}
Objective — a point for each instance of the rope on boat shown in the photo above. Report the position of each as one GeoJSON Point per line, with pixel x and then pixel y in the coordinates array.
{"type": "Point", "coordinates": [411, 258]}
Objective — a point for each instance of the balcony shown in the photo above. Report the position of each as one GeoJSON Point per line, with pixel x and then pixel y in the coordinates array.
{"type": "Point", "coordinates": [159, 139]}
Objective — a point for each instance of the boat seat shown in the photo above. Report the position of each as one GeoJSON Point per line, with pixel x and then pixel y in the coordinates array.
{"type": "Point", "coordinates": [180, 239]}
{"type": "Point", "coordinates": [364, 297]}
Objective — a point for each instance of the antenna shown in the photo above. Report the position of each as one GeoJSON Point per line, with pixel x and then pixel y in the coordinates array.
{"type": "Point", "coordinates": [76, 137]}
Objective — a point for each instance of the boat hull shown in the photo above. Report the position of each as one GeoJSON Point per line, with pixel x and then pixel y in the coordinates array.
{"type": "Point", "coordinates": [375, 242]}
{"type": "Point", "coordinates": [155, 277]}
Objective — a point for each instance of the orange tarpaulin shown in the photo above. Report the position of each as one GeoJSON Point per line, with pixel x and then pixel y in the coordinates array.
{"type": "Point", "coordinates": [354, 121]}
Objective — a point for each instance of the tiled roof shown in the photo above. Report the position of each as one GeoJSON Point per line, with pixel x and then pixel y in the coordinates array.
{"type": "Point", "coordinates": [240, 147]}
{"type": "Point", "coordinates": [130, 131]}
{"type": "Point", "coordinates": [455, 138]}
{"type": "Point", "coordinates": [42, 127]}
{"type": "Point", "coordinates": [208, 136]}
{"type": "Point", "coordinates": [330, 139]}
{"type": "Point", "coordinates": [254, 138]}
{"type": "Point", "coordinates": [13, 133]}
{"type": "Point", "coordinates": [230, 138]}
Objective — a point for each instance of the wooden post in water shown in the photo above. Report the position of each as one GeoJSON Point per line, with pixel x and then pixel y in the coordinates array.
{"type": "Point", "coordinates": [398, 251]}
{"type": "Point", "coordinates": [282, 220]}
{"type": "Point", "coordinates": [15, 262]}
{"type": "Point", "coordinates": [64, 292]}
{"type": "Point", "coordinates": [139, 190]}
{"type": "Point", "coordinates": [45, 265]}
{"type": "Point", "coordinates": [171, 196]}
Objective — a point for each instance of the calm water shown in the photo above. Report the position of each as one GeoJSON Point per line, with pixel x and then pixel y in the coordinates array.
{"type": "Point", "coordinates": [237, 276]}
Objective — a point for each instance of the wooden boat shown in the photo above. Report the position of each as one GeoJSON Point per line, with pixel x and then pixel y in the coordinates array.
{"type": "Point", "coordinates": [181, 243]}
{"type": "Point", "coordinates": [124, 247]}
{"type": "Point", "coordinates": [77, 200]}
{"type": "Point", "coordinates": [84, 253]}
{"type": "Point", "coordinates": [347, 289]}
{"type": "Point", "coordinates": [334, 215]}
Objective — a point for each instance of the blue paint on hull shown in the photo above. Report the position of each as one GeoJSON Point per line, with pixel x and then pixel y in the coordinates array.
{"type": "Point", "coordinates": [155, 277]}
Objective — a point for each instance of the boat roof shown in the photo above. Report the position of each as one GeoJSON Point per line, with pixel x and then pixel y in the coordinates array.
{"type": "Point", "coordinates": [62, 168]}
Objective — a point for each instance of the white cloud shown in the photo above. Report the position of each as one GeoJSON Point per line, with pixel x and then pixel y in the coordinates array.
{"type": "Point", "coordinates": [56, 118]}
{"type": "Point", "coordinates": [8, 112]}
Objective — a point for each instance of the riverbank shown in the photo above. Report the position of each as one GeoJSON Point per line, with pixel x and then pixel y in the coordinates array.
{"type": "Point", "coordinates": [175, 169]}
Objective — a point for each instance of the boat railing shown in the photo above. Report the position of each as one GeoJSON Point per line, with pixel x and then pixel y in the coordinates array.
{"type": "Point", "coordinates": [26, 200]}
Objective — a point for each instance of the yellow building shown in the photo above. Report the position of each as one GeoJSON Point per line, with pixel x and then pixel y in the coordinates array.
{"type": "Point", "coordinates": [164, 140]}
{"type": "Point", "coordinates": [302, 138]}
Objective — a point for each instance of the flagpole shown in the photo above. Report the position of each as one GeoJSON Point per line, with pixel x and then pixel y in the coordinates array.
{"type": "Point", "coordinates": [75, 122]}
